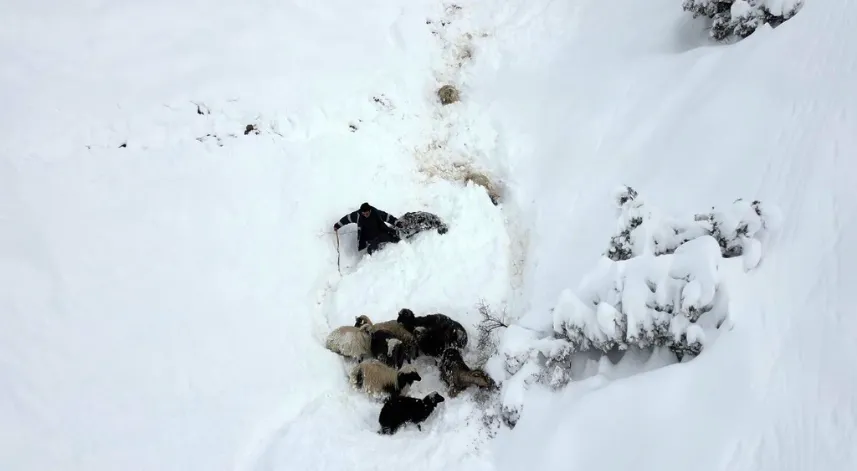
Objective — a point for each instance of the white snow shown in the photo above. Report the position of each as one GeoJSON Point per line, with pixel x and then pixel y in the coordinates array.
{"type": "Point", "coordinates": [169, 275]}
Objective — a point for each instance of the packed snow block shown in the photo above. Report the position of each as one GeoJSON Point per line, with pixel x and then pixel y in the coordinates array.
{"type": "Point", "coordinates": [669, 236]}
{"type": "Point", "coordinates": [697, 263]}
{"type": "Point", "coordinates": [557, 354]}
{"type": "Point", "coordinates": [577, 322]}
{"type": "Point", "coordinates": [412, 223]}
{"type": "Point", "coordinates": [741, 229]}
{"type": "Point", "coordinates": [516, 344]}
{"type": "Point", "coordinates": [513, 392]}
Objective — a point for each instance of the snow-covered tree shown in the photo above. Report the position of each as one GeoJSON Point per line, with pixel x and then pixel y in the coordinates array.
{"type": "Point", "coordinates": [657, 285]}
{"type": "Point", "coordinates": [624, 244]}
{"type": "Point", "coordinates": [740, 18]}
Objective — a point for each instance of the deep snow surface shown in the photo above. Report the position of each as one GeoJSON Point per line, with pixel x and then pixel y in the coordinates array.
{"type": "Point", "coordinates": [166, 281]}
{"type": "Point", "coordinates": [629, 93]}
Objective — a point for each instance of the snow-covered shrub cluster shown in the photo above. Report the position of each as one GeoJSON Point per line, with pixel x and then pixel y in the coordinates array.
{"type": "Point", "coordinates": [490, 330]}
{"type": "Point", "coordinates": [739, 229]}
{"type": "Point", "coordinates": [740, 18]}
{"type": "Point", "coordinates": [658, 285]}
{"type": "Point", "coordinates": [645, 301]}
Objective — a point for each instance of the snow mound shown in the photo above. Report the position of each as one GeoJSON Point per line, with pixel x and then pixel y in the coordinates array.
{"type": "Point", "coordinates": [659, 285]}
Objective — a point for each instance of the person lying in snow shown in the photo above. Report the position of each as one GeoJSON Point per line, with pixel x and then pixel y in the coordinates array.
{"type": "Point", "coordinates": [372, 229]}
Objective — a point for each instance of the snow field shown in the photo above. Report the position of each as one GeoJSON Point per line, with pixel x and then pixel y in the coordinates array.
{"type": "Point", "coordinates": [167, 279]}
{"type": "Point", "coordinates": [164, 272]}
{"type": "Point", "coordinates": [635, 94]}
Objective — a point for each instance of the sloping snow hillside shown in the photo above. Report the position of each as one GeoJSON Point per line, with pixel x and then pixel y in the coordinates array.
{"type": "Point", "coordinates": [600, 94]}
{"type": "Point", "coordinates": [172, 172]}
{"type": "Point", "coordinates": [169, 274]}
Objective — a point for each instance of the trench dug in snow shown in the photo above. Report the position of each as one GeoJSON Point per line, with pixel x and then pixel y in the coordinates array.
{"type": "Point", "coordinates": [450, 273]}
{"type": "Point", "coordinates": [472, 264]}
{"type": "Point", "coordinates": [168, 277]}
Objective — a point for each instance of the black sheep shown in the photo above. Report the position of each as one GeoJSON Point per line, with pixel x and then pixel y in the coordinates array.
{"type": "Point", "coordinates": [394, 328]}
{"type": "Point", "coordinates": [387, 348]}
{"type": "Point", "coordinates": [399, 410]}
{"type": "Point", "coordinates": [434, 332]}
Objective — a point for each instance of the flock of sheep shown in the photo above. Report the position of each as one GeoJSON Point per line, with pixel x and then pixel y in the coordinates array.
{"type": "Point", "coordinates": [382, 350]}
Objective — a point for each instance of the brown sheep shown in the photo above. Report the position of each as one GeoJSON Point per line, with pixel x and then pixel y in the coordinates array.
{"type": "Point", "coordinates": [376, 379]}
{"type": "Point", "coordinates": [458, 376]}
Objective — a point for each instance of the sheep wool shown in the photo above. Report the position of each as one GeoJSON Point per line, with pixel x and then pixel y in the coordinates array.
{"type": "Point", "coordinates": [387, 348]}
{"type": "Point", "coordinates": [394, 328]}
{"type": "Point", "coordinates": [399, 410]}
{"type": "Point", "coordinates": [351, 342]}
{"type": "Point", "coordinates": [457, 376]}
{"type": "Point", "coordinates": [434, 332]}
{"type": "Point", "coordinates": [378, 380]}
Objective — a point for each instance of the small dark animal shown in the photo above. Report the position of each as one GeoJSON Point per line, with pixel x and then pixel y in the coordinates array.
{"type": "Point", "coordinates": [400, 410]}
{"type": "Point", "coordinates": [434, 332]}
{"type": "Point", "coordinates": [387, 348]}
{"type": "Point", "coordinates": [394, 328]}
{"type": "Point", "coordinates": [458, 376]}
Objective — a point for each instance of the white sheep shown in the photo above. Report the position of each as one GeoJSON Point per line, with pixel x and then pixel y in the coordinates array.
{"type": "Point", "coordinates": [350, 342]}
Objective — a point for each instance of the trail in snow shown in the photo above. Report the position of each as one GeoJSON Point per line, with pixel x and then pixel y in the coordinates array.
{"type": "Point", "coordinates": [451, 273]}
{"type": "Point", "coordinates": [163, 269]}
{"type": "Point", "coordinates": [166, 278]}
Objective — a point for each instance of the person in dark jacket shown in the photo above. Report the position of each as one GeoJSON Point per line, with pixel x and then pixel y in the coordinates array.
{"type": "Point", "coordinates": [372, 229]}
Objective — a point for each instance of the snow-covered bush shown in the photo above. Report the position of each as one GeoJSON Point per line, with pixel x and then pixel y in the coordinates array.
{"type": "Point", "coordinates": [646, 301]}
{"type": "Point", "coordinates": [740, 18]}
{"type": "Point", "coordinates": [622, 245]}
{"type": "Point", "coordinates": [659, 277]}
{"type": "Point", "coordinates": [658, 285]}
{"type": "Point", "coordinates": [489, 329]}
{"type": "Point", "coordinates": [739, 229]}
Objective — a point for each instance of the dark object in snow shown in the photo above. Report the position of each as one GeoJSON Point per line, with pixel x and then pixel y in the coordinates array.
{"type": "Point", "coordinates": [448, 94]}
{"type": "Point", "coordinates": [372, 230]}
{"type": "Point", "coordinates": [387, 348]}
{"type": "Point", "coordinates": [458, 376]}
{"type": "Point", "coordinates": [399, 410]}
{"type": "Point", "coordinates": [434, 332]}
{"type": "Point", "coordinates": [728, 22]}
{"type": "Point", "coordinates": [412, 223]}
{"type": "Point", "coordinates": [396, 330]}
